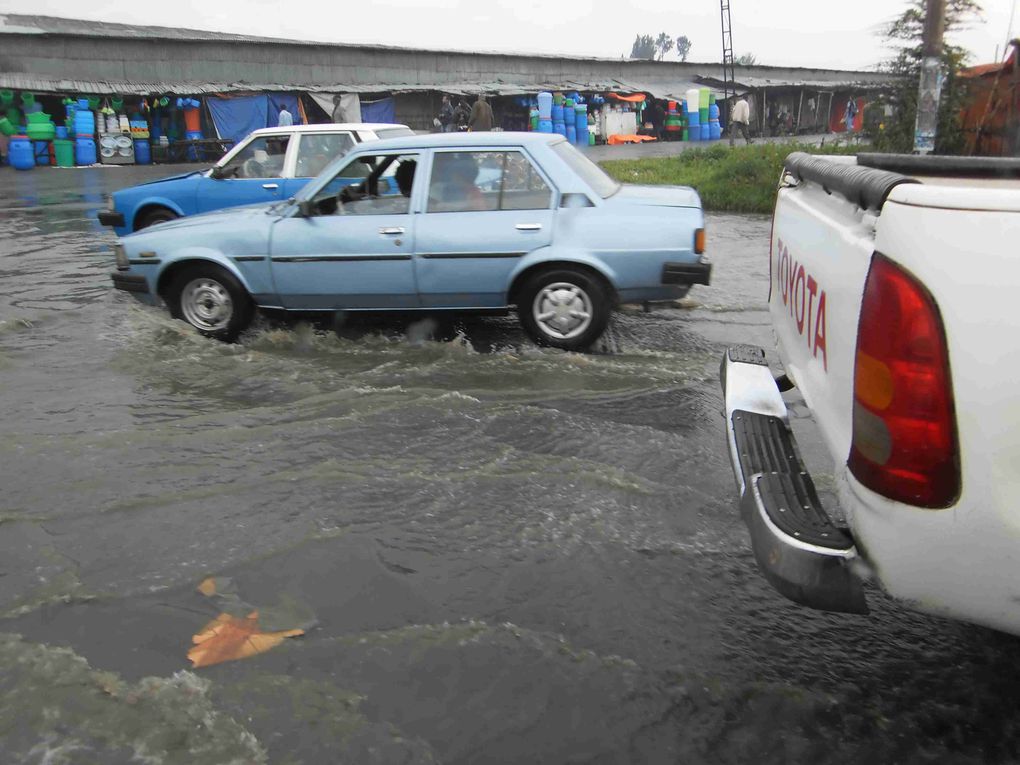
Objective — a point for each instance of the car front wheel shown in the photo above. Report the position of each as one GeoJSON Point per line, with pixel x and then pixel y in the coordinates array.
{"type": "Point", "coordinates": [564, 308]}
{"type": "Point", "coordinates": [212, 301]}
{"type": "Point", "coordinates": [154, 216]}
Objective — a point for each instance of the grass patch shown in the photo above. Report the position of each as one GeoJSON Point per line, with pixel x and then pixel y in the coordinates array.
{"type": "Point", "coordinates": [741, 179]}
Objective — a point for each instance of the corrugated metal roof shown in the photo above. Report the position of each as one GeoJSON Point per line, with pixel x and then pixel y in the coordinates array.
{"type": "Point", "coordinates": [44, 84]}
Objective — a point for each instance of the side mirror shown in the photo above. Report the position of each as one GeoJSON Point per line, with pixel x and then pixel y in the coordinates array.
{"type": "Point", "coordinates": [217, 172]}
{"type": "Point", "coordinates": [306, 208]}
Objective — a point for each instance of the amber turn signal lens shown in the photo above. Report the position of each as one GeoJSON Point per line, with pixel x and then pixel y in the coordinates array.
{"type": "Point", "coordinates": [699, 241]}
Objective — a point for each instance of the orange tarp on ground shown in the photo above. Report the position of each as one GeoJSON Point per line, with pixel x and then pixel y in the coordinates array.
{"type": "Point", "coordinates": [991, 117]}
{"type": "Point", "coordinates": [619, 138]}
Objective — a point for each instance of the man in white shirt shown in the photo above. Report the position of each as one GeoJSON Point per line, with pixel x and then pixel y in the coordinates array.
{"type": "Point", "coordinates": [286, 119]}
{"type": "Point", "coordinates": [740, 115]}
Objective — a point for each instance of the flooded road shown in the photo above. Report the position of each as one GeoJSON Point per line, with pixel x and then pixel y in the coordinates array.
{"type": "Point", "coordinates": [498, 553]}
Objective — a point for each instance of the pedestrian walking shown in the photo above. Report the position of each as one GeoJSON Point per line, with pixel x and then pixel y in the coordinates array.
{"type": "Point", "coordinates": [740, 115]}
{"type": "Point", "coordinates": [339, 113]}
{"type": "Point", "coordinates": [285, 118]}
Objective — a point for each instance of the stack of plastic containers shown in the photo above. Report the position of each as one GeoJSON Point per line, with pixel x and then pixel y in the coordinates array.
{"type": "Point", "coordinates": [693, 115]}
{"type": "Point", "coordinates": [581, 124]}
{"type": "Point", "coordinates": [545, 103]}
{"type": "Point", "coordinates": [20, 153]}
{"type": "Point", "coordinates": [557, 116]}
{"type": "Point", "coordinates": [674, 122]}
{"type": "Point", "coordinates": [84, 134]}
{"type": "Point", "coordinates": [63, 152]}
{"type": "Point", "coordinates": [703, 95]}
{"type": "Point", "coordinates": [714, 129]}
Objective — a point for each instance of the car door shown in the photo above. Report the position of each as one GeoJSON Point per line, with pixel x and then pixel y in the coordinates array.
{"type": "Point", "coordinates": [313, 151]}
{"type": "Point", "coordinates": [352, 250]}
{"type": "Point", "coordinates": [485, 210]}
{"type": "Point", "coordinates": [252, 175]}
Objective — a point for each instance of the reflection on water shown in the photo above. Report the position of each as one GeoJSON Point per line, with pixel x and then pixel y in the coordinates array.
{"type": "Point", "coordinates": [513, 554]}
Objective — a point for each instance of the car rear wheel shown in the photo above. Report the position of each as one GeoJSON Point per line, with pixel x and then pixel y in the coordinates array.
{"type": "Point", "coordinates": [564, 308]}
{"type": "Point", "coordinates": [154, 216]}
{"type": "Point", "coordinates": [212, 301]}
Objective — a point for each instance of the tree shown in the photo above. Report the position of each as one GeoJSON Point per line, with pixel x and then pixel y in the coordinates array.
{"type": "Point", "coordinates": [905, 33]}
{"type": "Point", "coordinates": [683, 47]}
{"type": "Point", "coordinates": [644, 47]}
{"type": "Point", "coordinates": [746, 59]}
{"type": "Point", "coordinates": [663, 44]}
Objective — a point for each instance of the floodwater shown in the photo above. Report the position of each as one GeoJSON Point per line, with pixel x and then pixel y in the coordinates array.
{"type": "Point", "coordinates": [498, 553]}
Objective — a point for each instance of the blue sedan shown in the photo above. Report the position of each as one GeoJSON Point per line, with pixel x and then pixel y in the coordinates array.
{"type": "Point", "coordinates": [452, 222]}
{"type": "Point", "coordinates": [267, 165]}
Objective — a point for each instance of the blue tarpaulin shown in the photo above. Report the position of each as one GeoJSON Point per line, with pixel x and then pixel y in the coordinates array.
{"type": "Point", "coordinates": [382, 110]}
{"type": "Point", "coordinates": [236, 117]}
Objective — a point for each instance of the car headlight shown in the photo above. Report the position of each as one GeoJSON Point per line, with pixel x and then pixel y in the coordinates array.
{"type": "Point", "coordinates": [121, 255]}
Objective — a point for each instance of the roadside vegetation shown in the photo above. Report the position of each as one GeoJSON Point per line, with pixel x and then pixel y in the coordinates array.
{"type": "Point", "coordinates": [741, 179]}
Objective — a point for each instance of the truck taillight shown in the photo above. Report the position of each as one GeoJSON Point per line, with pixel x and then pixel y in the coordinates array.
{"type": "Point", "coordinates": [904, 427]}
{"type": "Point", "coordinates": [699, 241]}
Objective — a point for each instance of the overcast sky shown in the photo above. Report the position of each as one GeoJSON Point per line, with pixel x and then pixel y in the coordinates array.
{"type": "Point", "coordinates": [822, 33]}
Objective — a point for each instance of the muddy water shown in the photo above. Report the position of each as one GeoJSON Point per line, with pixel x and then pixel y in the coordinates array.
{"type": "Point", "coordinates": [499, 553]}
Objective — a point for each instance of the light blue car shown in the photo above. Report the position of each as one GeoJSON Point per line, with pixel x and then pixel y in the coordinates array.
{"type": "Point", "coordinates": [481, 222]}
{"type": "Point", "coordinates": [267, 165]}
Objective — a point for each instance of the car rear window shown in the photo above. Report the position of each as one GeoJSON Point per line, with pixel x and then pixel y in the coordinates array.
{"type": "Point", "coordinates": [590, 173]}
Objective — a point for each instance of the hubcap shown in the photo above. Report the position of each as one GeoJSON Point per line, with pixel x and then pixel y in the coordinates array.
{"type": "Point", "coordinates": [562, 310]}
{"type": "Point", "coordinates": [206, 304]}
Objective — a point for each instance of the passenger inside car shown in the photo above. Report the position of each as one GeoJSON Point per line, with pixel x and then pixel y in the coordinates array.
{"type": "Point", "coordinates": [453, 187]}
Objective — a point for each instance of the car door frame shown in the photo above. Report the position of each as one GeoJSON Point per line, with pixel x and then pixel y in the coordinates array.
{"type": "Point", "coordinates": [499, 266]}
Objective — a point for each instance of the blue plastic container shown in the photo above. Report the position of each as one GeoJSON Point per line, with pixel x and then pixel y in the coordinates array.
{"type": "Point", "coordinates": [545, 102]}
{"type": "Point", "coordinates": [61, 131]}
{"type": "Point", "coordinates": [193, 135]}
{"type": "Point", "coordinates": [84, 151]}
{"type": "Point", "coordinates": [545, 126]}
{"type": "Point", "coordinates": [83, 103]}
{"type": "Point", "coordinates": [20, 153]}
{"type": "Point", "coordinates": [693, 132]}
{"type": "Point", "coordinates": [560, 128]}
{"type": "Point", "coordinates": [557, 112]}
{"type": "Point", "coordinates": [143, 154]}
{"type": "Point", "coordinates": [84, 123]}
{"type": "Point", "coordinates": [714, 131]}
{"type": "Point", "coordinates": [571, 132]}
{"type": "Point", "coordinates": [713, 112]}
{"type": "Point", "coordinates": [706, 133]}
{"type": "Point", "coordinates": [41, 149]}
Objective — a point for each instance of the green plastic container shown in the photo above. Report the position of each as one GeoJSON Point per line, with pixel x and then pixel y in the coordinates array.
{"type": "Point", "coordinates": [27, 99]}
{"type": "Point", "coordinates": [6, 127]}
{"type": "Point", "coordinates": [63, 150]}
{"type": "Point", "coordinates": [93, 103]}
{"type": "Point", "coordinates": [36, 117]}
{"type": "Point", "coordinates": [41, 131]}
{"type": "Point", "coordinates": [6, 98]}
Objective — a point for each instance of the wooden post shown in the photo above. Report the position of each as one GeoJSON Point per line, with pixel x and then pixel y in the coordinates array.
{"type": "Point", "coordinates": [800, 108]}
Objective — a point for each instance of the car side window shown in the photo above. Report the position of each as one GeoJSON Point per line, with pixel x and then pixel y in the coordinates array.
{"type": "Point", "coordinates": [316, 150]}
{"type": "Point", "coordinates": [486, 181]}
{"type": "Point", "coordinates": [379, 185]}
{"type": "Point", "coordinates": [523, 187]}
{"type": "Point", "coordinates": [262, 158]}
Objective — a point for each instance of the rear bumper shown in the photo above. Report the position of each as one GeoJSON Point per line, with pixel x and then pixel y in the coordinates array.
{"type": "Point", "coordinates": [799, 550]}
{"type": "Point", "coordinates": [687, 273]}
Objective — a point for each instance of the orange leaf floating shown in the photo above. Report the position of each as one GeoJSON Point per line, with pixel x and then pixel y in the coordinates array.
{"type": "Point", "coordinates": [227, 638]}
{"type": "Point", "coordinates": [208, 587]}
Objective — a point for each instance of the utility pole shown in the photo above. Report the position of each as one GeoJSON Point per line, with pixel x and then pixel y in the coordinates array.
{"type": "Point", "coordinates": [930, 87]}
{"type": "Point", "coordinates": [729, 75]}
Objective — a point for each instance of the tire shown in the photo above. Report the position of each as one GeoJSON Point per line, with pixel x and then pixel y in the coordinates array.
{"type": "Point", "coordinates": [154, 216]}
{"type": "Point", "coordinates": [212, 301]}
{"type": "Point", "coordinates": [564, 307]}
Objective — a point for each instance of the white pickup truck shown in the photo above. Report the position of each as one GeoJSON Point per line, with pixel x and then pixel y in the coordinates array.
{"type": "Point", "coordinates": [892, 289]}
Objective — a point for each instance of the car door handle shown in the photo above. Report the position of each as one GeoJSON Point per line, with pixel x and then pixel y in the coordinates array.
{"type": "Point", "coordinates": [271, 186]}
{"type": "Point", "coordinates": [394, 231]}
{"type": "Point", "coordinates": [529, 226]}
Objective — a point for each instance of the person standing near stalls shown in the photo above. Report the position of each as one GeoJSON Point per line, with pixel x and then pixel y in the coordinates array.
{"type": "Point", "coordinates": [480, 120]}
{"type": "Point", "coordinates": [461, 115]}
{"type": "Point", "coordinates": [850, 114]}
{"type": "Point", "coordinates": [339, 115]}
{"type": "Point", "coordinates": [285, 118]}
{"type": "Point", "coordinates": [446, 120]}
{"type": "Point", "coordinates": [740, 115]}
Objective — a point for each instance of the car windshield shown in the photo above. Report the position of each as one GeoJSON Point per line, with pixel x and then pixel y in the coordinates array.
{"type": "Point", "coordinates": [590, 173]}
